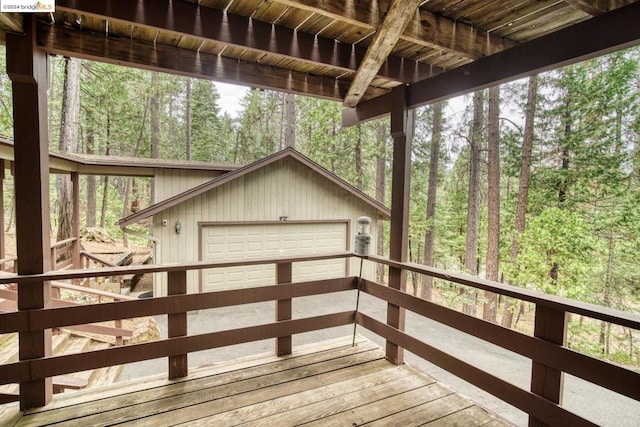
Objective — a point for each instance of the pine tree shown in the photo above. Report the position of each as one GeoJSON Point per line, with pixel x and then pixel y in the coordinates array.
{"type": "Point", "coordinates": [68, 142]}
{"type": "Point", "coordinates": [493, 199]}
{"type": "Point", "coordinates": [434, 159]}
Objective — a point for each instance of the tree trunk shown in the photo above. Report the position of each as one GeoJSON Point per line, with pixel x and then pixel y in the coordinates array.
{"type": "Point", "coordinates": [381, 140]}
{"type": "Point", "coordinates": [187, 119]}
{"type": "Point", "coordinates": [429, 238]}
{"type": "Point", "coordinates": [564, 166]}
{"type": "Point", "coordinates": [68, 142]}
{"type": "Point", "coordinates": [493, 203]}
{"type": "Point", "coordinates": [130, 180]}
{"type": "Point", "coordinates": [523, 188]}
{"type": "Point", "coordinates": [105, 201]}
{"type": "Point", "coordinates": [290, 120]}
{"type": "Point", "coordinates": [563, 184]}
{"type": "Point", "coordinates": [154, 108]}
{"type": "Point", "coordinates": [525, 167]}
{"type": "Point", "coordinates": [606, 300]}
{"type": "Point", "coordinates": [471, 243]}
{"type": "Point", "coordinates": [90, 219]}
{"type": "Point", "coordinates": [105, 188]}
{"type": "Point", "coordinates": [358, 151]}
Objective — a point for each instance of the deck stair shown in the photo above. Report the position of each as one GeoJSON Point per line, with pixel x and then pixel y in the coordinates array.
{"type": "Point", "coordinates": [64, 342]}
{"type": "Point", "coordinates": [80, 338]}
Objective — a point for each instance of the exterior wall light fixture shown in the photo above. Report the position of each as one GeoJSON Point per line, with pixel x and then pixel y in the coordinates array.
{"type": "Point", "coordinates": [178, 227]}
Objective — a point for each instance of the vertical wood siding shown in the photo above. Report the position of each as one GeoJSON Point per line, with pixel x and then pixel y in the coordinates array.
{"type": "Point", "coordinates": [169, 182]}
{"type": "Point", "coordinates": [285, 188]}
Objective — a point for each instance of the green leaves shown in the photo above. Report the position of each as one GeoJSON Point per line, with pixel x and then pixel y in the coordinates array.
{"type": "Point", "coordinates": [555, 254]}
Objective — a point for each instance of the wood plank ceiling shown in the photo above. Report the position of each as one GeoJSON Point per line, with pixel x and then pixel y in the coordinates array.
{"type": "Point", "coordinates": [334, 49]}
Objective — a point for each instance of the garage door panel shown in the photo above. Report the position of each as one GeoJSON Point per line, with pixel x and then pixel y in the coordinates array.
{"type": "Point", "coordinates": [213, 277]}
{"type": "Point", "coordinates": [237, 247]}
{"type": "Point", "coordinates": [243, 241]}
{"type": "Point", "coordinates": [215, 247]}
{"type": "Point", "coordinates": [259, 274]}
{"type": "Point", "coordinates": [255, 246]}
{"type": "Point", "coordinates": [214, 232]}
{"type": "Point", "coordinates": [311, 270]}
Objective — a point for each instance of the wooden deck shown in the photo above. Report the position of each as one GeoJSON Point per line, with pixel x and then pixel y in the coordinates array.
{"type": "Point", "coordinates": [325, 384]}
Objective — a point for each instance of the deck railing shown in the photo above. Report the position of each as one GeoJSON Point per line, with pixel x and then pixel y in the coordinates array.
{"type": "Point", "coordinates": [89, 260]}
{"type": "Point", "coordinates": [547, 351]}
{"type": "Point", "coordinates": [65, 254]}
{"type": "Point", "coordinates": [9, 264]}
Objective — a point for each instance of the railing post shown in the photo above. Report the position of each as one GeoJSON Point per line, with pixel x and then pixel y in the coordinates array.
{"type": "Point", "coordinates": [75, 224]}
{"type": "Point", "coordinates": [27, 66]}
{"type": "Point", "coordinates": [2, 238]}
{"type": "Point", "coordinates": [550, 325]}
{"type": "Point", "coordinates": [177, 323]}
{"type": "Point", "coordinates": [283, 308]}
{"type": "Point", "coordinates": [402, 132]}
{"type": "Point", "coordinates": [119, 339]}
{"type": "Point", "coordinates": [53, 258]}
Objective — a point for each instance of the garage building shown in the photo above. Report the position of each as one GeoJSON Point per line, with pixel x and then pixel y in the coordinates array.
{"type": "Point", "coordinates": [282, 205]}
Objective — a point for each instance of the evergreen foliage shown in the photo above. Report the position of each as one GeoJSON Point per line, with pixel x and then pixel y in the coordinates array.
{"type": "Point", "coordinates": [582, 233]}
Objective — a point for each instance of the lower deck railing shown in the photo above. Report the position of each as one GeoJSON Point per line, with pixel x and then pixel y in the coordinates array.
{"type": "Point", "coordinates": [546, 348]}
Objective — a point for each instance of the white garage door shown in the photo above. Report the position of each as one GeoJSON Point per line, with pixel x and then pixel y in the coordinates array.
{"type": "Point", "coordinates": [242, 241]}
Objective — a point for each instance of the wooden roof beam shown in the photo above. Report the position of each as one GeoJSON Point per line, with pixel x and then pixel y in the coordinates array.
{"type": "Point", "coordinates": [384, 41]}
{"type": "Point", "coordinates": [10, 21]}
{"type": "Point", "coordinates": [208, 24]}
{"type": "Point", "coordinates": [597, 7]}
{"type": "Point", "coordinates": [121, 51]}
{"type": "Point", "coordinates": [610, 32]}
{"type": "Point", "coordinates": [426, 28]}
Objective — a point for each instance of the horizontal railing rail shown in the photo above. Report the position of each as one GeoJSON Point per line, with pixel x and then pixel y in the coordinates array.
{"type": "Point", "coordinates": [623, 318]}
{"type": "Point", "coordinates": [94, 292]}
{"type": "Point", "coordinates": [89, 260]}
{"type": "Point", "coordinates": [97, 260]}
{"type": "Point", "coordinates": [178, 344]}
{"type": "Point", "coordinates": [545, 351]}
{"type": "Point", "coordinates": [58, 365]}
{"type": "Point", "coordinates": [65, 254]}
{"type": "Point", "coordinates": [550, 358]}
{"type": "Point", "coordinates": [117, 331]}
{"type": "Point", "coordinates": [613, 377]}
{"type": "Point", "coordinates": [160, 268]}
{"type": "Point", "coordinates": [63, 243]}
{"type": "Point", "coordinates": [28, 320]}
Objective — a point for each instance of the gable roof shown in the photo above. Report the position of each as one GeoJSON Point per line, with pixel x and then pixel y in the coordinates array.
{"type": "Point", "coordinates": [230, 176]}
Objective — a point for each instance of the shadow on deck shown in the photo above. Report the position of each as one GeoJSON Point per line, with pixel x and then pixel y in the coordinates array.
{"type": "Point", "coordinates": [330, 383]}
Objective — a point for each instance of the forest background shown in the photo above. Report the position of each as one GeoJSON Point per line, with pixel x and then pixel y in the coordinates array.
{"type": "Point", "coordinates": [535, 183]}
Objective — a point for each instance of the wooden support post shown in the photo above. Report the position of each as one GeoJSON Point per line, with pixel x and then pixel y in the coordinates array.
{"type": "Point", "coordinates": [550, 325]}
{"type": "Point", "coordinates": [402, 132]}
{"type": "Point", "coordinates": [3, 252]}
{"type": "Point", "coordinates": [75, 223]}
{"type": "Point", "coordinates": [27, 67]}
{"type": "Point", "coordinates": [283, 308]}
{"type": "Point", "coordinates": [177, 323]}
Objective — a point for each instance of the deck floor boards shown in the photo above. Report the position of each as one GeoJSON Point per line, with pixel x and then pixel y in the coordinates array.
{"type": "Point", "coordinates": [323, 385]}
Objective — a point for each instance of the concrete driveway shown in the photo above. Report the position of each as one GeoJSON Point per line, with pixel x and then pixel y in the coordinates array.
{"type": "Point", "coordinates": [595, 403]}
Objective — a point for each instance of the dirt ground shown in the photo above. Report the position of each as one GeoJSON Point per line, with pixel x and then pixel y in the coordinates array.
{"type": "Point", "coordinates": [144, 284]}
